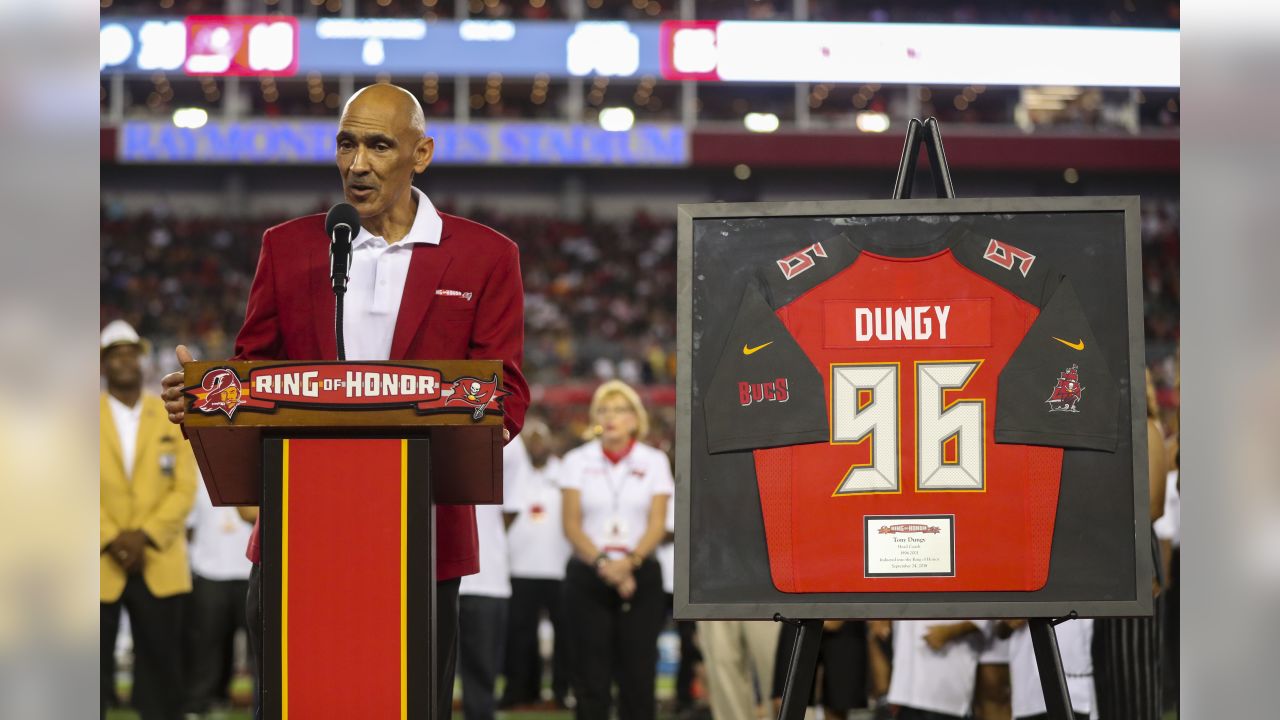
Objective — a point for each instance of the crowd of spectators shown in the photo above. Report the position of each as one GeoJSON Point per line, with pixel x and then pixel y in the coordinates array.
{"type": "Point", "coordinates": [600, 295]}
{"type": "Point", "coordinates": [1160, 255]}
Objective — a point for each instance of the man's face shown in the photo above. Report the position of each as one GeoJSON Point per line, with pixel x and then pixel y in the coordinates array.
{"type": "Point", "coordinates": [122, 366]}
{"type": "Point", "coordinates": [378, 151]}
{"type": "Point", "coordinates": [538, 447]}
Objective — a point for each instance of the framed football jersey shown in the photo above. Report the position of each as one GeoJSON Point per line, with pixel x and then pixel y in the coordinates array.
{"type": "Point", "coordinates": [911, 408]}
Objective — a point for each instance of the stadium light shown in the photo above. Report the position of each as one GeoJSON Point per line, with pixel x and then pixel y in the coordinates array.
{"type": "Point", "coordinates": [617, 119]}
{"type": "Point", "coordinates": [872, 121]}
{"type": "Point", "coordinates": [761, 122]}
{"type": "Point", "coordinates": [191, 118]}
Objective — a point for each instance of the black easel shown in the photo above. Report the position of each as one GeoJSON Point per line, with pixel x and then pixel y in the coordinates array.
{"type": "Point", "coordinates": [929, 134]}
{"type": "Point", "coordinates": [1053, 680]}
{"type": "Point", "coordinates": [801, 667]}
{"type": "Point", "coordinates": [803, 663]}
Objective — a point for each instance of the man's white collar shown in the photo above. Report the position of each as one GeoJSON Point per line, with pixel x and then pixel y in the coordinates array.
{"type": "Point", "coordinates": [426, 228]}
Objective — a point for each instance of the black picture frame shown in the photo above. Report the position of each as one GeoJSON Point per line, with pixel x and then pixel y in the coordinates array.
{"type": "Point", "coordinates": [1082, 580]}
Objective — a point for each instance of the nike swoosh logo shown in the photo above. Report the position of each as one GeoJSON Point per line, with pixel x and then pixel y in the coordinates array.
{"type": "Point", "coordinates": [1077, 345]}
{"type": "Point", "coordinates": [750, 350]}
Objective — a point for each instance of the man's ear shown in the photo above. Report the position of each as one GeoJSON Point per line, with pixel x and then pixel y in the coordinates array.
{"type": "Point", "coordinates": [422, 154]}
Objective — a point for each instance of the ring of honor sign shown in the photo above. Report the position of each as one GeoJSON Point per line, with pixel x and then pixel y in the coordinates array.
{"type": "Point", "coordinates": [912, 404]}
{"type": "Point", "coordinates": [345, 386]}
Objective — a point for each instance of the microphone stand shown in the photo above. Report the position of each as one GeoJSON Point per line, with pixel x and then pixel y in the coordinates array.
{"type": "Point", "coordinates": [337, 321]}
{"type": "Point", "coordinates": [340, 266]}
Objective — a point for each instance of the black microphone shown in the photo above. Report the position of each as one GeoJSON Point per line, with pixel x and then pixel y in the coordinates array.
{"type": "Point", "coordinates": [341, 225]}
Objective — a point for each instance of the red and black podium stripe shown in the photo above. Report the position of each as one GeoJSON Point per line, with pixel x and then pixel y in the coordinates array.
{"type": "Point", "coordinates": [347, 579]}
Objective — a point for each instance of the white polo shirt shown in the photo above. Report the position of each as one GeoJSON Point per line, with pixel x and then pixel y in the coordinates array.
{"type": "Point", "coordinates": [218, 538]}
{"type": "Point", "coordinates": [995, 652]}
{"type": "Point", "coordinates": [536, 543]}
{"type": "Point", "coordinates": [126, 419]}
{"type": "Point", "coordinates": [616, 498]}
{"type": "Point", "coordinates": [378, 273]}
{"type": "Point", "coordinates": [1075, 641]}
{"type": "Point", "coordinates": [941, 681]}
{"type": "Point", "coordinates": [494, 578]}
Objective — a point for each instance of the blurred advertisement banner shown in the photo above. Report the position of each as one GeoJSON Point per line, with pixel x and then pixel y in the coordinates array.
{"type": "Point", "coordinates": [918, 53]}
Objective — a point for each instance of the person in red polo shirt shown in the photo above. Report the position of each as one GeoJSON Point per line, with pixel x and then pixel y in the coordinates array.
{"type": "Point", "coordinates": [424, 285]}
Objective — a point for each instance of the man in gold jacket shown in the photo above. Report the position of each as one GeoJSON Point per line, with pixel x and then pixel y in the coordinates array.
{"type": "Point", "coordinates": [148, 486]}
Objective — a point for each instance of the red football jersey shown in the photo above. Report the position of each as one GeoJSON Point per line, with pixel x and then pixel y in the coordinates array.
{"type": "Point", "coordinates": [908, 414]}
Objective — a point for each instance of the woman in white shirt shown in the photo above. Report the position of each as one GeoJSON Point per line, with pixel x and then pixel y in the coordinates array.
{"type": "Point", "coordinates": [614, 508]}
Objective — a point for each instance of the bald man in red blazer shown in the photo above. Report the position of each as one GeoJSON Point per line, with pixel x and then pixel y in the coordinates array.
{"type": "Point", "coordinates": [290, 317]}
{"type": "Point", "coordinates": [462, 298]}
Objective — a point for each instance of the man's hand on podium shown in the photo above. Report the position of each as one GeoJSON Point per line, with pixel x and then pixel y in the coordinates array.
{"type": "Point", "coordinates": [171, 388]}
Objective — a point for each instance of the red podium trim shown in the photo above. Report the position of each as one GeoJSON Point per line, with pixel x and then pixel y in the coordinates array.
{"type": "Point", "coordinates": [284, 581]}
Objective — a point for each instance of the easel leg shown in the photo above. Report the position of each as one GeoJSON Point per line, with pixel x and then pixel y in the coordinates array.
{"type": "Point", "coordinates": [1053, 680]}
{"type": "Point", "coordinates": [800, 670]}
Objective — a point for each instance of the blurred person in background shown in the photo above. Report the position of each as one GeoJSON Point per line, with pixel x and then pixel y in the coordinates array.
{"type": "Point", "coordinates": [934, 666]}
{"type": "Point", "coordinates": [146, 491]}
{"type": "Point", "coordinates": [615, 495]}
{"type": "Point", "coordinates": [1127, 651]}
{"type": "Point", "coordinates": [879, 664]}
{"type": "Point", "coordinates": [1157, 453]}
{"type": "Point", "coordinates": [538, 551]}
{"type": "Point", "coordinates": [686, 630]}
{"type": "Point", "coordinates": [992, 693]}
{"type": "Point", "coordinates": [1074, 640]}
{"type": "Point", "coordinates": [690, 667]}
{"type": "Point", "coordinates": [739, 658]}
{"type": "Point", "coordinates": [416, 250]}
{"type": "Point", "coordinates": [842, 659]}
{"type": "Point", "coordinates": [215, 612]}
{"type": "Point", "coordinates": [483, 597]}
{"type": "Point", "coordinates": [1169, 531]}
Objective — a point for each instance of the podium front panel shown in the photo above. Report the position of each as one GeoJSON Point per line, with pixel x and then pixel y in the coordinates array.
{"type": "Point", "coordinates": [348, 578]}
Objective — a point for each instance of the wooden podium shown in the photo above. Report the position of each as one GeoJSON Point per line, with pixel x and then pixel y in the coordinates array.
{"type": "Point", "coordinates": [346, 461]}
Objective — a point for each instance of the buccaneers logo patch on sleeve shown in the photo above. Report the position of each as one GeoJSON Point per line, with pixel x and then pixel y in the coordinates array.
{"type": "Point", "coordinates": [1066, 394]}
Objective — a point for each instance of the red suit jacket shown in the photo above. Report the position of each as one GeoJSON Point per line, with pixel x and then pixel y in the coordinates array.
{"type": "Point", "coordinates": [290, 317]}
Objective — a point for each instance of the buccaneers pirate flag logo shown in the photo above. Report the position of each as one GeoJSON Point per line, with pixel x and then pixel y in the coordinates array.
{"type": "Point", "coordinates": [219, 390]}
{"type": "Point", "coordinates": [1066, 394]}
{"type": "Point", "coordinates": [474, 392]}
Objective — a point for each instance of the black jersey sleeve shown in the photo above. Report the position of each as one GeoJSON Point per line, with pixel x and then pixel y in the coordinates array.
{"type": "Point", "coordinates": [764, 391]}
{"type": "Point", "coordinates": [1057, 389]}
